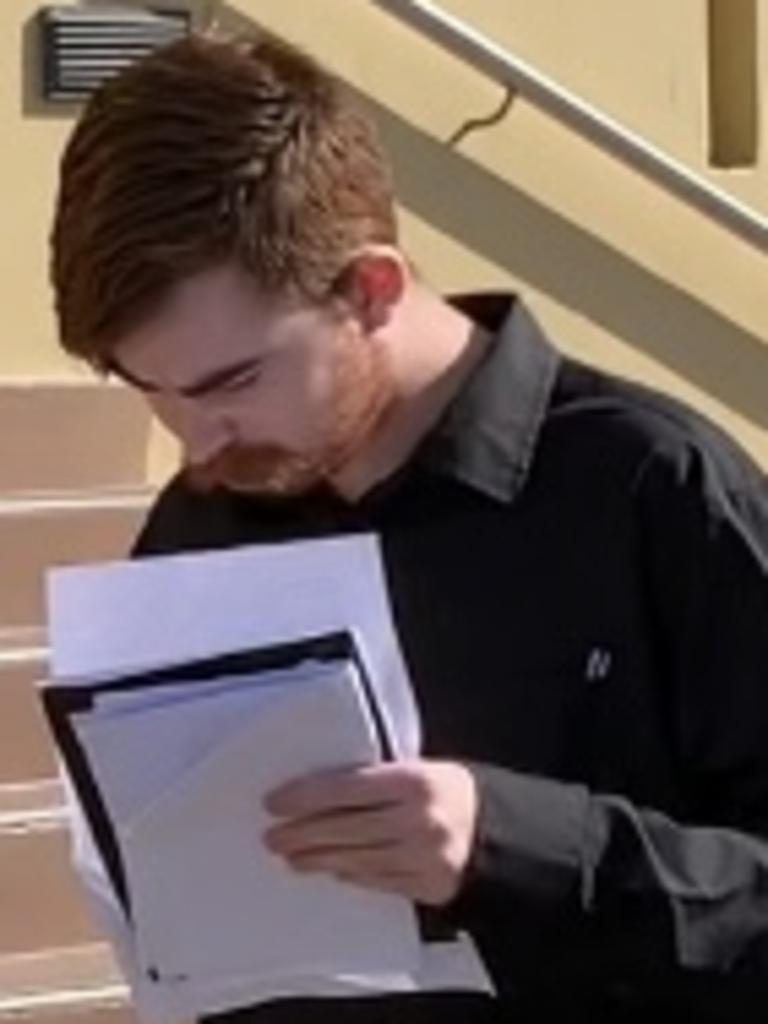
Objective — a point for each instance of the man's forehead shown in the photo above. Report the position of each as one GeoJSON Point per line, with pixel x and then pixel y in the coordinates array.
{"type": "Point", "coordinates": [182, 361]}
{"type": "Point", "coordinates": [208, 327]}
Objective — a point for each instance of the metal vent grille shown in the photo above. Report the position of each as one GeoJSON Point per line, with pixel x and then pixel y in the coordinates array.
{"type": "Point", "coordinates": [83, 48]}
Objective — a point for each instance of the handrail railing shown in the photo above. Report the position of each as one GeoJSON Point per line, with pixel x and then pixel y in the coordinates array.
{"type": "Point", "coordinates": [488, 57]}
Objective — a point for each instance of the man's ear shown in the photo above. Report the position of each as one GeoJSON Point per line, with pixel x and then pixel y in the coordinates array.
{"type": "Point", "coordinates": [373, 283]}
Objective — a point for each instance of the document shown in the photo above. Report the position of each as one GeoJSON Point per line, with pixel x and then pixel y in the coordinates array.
{"type": "Point", "coordinates": [207, 899]}
{"type": "Point", "coordinates": [185, 688]}
{"type": "Point", "coordinates": [116, 618]}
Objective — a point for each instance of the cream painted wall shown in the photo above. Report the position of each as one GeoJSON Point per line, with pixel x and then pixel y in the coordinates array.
{"type": "Point", "coordinates": [650, 53]}
{"type": "Point", "coordinates": [618, 272]}
{"type": "Point", "coordinates": [644, 62]}
{"type": "Point", "coordinates": [32, 134]}
{"type": "Point", "coordinates": [30, 140]}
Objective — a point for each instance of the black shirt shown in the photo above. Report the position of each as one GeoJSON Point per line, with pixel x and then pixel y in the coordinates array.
{"type": "Point", "coordinates": [578, 568]}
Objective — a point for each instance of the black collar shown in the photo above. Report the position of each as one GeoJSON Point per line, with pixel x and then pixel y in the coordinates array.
{"type": "Point", "coordinates": [488, 434]}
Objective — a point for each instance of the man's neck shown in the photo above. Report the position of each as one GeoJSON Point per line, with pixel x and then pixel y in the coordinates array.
{"type": "Point", "coordinates": [433, 349]}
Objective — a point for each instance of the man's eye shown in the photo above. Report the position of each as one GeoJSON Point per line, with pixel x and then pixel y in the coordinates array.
{"type": "Point", "coordinates": [242, 382]}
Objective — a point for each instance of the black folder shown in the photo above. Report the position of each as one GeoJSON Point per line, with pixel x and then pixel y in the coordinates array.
{"type": "Point", "coordinates": [62, 702]}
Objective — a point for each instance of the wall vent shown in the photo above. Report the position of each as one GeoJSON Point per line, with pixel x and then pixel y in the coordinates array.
{"type": "Point", "coordinates": [81, 48]}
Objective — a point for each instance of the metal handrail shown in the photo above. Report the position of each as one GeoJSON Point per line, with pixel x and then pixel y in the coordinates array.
{"type": "Point", "coordinates": [489, 58]}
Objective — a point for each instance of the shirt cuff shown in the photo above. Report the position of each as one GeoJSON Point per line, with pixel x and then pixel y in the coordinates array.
{"type": "Point", "coordinates": [531, 840]}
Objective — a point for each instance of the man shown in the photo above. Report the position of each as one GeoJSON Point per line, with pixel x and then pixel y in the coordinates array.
{"type": "Point", "coordinates": [578, 567]}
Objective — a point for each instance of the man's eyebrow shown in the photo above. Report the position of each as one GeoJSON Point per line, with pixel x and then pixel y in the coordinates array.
{"type": "Point", "coordinates": [209, 382]}
{"type": "Point", "coordinates": [112, 366]}
{"type": "Point", "coordinates": [217, 378]}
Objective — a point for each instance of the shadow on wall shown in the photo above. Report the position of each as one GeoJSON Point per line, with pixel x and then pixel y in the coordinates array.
{"type": "Point", "coordinates": [559, 258]}
{"type": "Point", "coordinates": [511, 229]}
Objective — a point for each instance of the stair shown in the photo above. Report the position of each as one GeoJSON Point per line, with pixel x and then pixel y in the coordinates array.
{"type": "Point", "coordinates": [72, 489]}
{"type": "Point", "coordinates": [42, 903]}
{"type": "Point", "coordinates": [67, 436]}
{"type": "Point", "coordinates": [68, 985]}
{"type": "Point", "coordinates": [38, 532]}
{"type": "Point", "coordinates": [25, 752]}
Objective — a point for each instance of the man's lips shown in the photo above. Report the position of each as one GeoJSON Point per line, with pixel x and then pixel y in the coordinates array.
{"type": "Point", "coordinates": [272, 468]}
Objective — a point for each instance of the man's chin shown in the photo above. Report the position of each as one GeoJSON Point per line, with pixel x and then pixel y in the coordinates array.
{"type": "Point", "coordinates": [275, 485]}
{"type": "Point", "coordinates": [268, 488]}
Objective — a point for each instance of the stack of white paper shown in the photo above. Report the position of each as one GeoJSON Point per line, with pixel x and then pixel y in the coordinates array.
{"type": "Point", "coordinates": [212, 920]}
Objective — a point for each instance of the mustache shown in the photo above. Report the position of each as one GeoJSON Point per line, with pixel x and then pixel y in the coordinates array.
{"type": "Point", "coordinates": [255, 464]}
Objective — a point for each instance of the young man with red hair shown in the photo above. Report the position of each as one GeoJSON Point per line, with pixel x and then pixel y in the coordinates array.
{"type": "Point", "coordinates": [578, 566]}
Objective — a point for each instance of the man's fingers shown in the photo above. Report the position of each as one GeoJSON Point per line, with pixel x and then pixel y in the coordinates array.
{"type": "Point", "coordinates": [347, 788]}
{"type": "Point", "coordinates": [405, 826]}
{"type": "Point", "coordinates": [386, 860]}
{"type": "Point", "coordinates": [352, 828]}
{"type": "Point", "coordinates": [322, 792]}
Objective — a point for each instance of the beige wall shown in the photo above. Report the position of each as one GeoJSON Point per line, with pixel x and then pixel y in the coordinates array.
{"type": "Point", "coordinates": [30, 141]}
{"type": "Point", "coordinates": [650, 52]}
{"type": "Point", "coordinates": [617, 271]}
{"type": "Point", "coordinates": [644, 62]}
{"type": "Point", "coordinates": [32, 134]}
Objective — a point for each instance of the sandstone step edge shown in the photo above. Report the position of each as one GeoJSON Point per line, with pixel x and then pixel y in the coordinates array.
{"type": "Point", "coordinates": [20, 645]}
{"type": "Point", "coordinates": [45, 503]}
{"type": "Point", "coordinates": [78, 977]}
{"type": "Point", "coordinates": [39, 1007]}
{"type": "Point", "coordinates": [32, 807]}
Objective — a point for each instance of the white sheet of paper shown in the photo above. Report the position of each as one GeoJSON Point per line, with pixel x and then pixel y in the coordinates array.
{"type": "Point", "coordinates": [171, 1004]}
{"type": "Point", "coordinates": [138, 751]}
{"type": "Point", "coordinates": [210, 901]}
{"type": "Point", "coordinates": [115, 618]}
{"type": "Point", "coordinates": [110, 619]}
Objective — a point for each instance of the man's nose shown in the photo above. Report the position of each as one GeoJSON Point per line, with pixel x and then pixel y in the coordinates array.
{"type": "Point", "coordinates": [209, 438]}
{"type": "Point", "coordinates": [204, 433]}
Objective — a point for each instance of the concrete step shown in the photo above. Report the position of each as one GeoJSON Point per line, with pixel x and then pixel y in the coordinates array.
{"type": "Point", "coordinates": [60, 435]}
{"type": "Point", "coordinates": [40, 532]}
{"type": "Point", "coordinates": [26, 752]}
{"type": "Point", "coordinates": [41, 901]}
{"type": "Point", "coordinates": [70, 985]}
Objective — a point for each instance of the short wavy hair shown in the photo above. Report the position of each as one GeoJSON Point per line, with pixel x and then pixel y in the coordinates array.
{"type": "Point", "coordinates": [211, 151]}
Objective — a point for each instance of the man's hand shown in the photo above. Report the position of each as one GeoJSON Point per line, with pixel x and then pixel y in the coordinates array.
{"type": "Point", "coordinates": [405, 827]}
